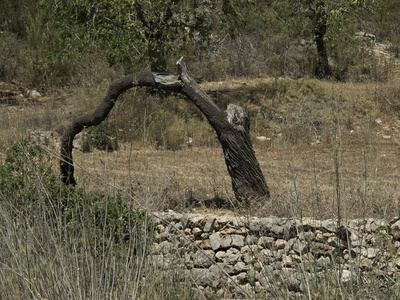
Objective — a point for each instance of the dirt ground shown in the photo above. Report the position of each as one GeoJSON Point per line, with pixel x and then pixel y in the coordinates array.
{"type": "Point", "coordinates": [356, 176]}
{"type": "Point", "coordinates": [317, 181]}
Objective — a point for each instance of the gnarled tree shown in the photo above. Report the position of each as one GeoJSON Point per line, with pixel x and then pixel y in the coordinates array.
{"type": "Point", "coordinates": [232, 127]}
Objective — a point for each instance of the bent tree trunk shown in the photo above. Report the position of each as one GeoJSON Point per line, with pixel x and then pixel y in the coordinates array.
{"type": "Point", "coordinates": [232, 127]}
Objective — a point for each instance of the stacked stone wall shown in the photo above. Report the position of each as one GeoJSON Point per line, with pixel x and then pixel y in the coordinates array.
{"type": "Point", "coordinates": [228, 256]}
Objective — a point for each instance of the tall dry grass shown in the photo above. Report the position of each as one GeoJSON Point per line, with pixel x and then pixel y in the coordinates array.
{"type": "Point", "coordinates": [330, 151]}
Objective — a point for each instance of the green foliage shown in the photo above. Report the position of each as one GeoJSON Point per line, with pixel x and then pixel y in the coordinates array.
{"type": "Point", "coordinates": [341, 18]}
{"type": "Point", "coordinates": [10, 49]}
{"type": "Point", "coordinates": [28, 182]}
{"type": "Point", "coordinates": [106, 216]}
{"type": "Point", "coordinates": [13, 15]}
{"type": "Point", "coordinates": [26, 165]}
{"type": "Point", "coordinates": [101, 137]}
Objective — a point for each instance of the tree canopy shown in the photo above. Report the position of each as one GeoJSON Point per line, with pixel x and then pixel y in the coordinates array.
{"type": "Point", "coordinates": [121, 29]}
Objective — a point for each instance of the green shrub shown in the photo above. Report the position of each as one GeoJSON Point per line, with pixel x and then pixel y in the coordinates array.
{"type": "Point", "coordinates": [10, 48]}
{"type": "Point", "coordinates": [102, 137]}
{"type": "Point", "coordinates": [28, 183]}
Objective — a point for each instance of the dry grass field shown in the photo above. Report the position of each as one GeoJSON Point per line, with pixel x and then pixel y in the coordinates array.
{"type": "Point", "coordinates": [303, 180]}
{"type": "Point", "coordinates": [327, 150]}
{"type": "Point", "coordinates": [318, 162]}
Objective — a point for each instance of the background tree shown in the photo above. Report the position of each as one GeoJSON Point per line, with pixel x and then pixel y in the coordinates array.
{"type": "Point", "coordinates": [119, 28]}
{"type": "Point", "coordinates": [14, 15]}
{"type": "Point", "coordinates": [329, 23]}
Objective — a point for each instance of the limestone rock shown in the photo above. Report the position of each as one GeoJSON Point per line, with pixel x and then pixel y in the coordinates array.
{"type": "Point", "coordinates": [203, 258]}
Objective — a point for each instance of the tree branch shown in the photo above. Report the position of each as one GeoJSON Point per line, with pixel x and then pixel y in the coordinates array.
{"type": "Point", "coordinates": [195, 94]}
{"type": "Point", "coordinates": [115, 89]}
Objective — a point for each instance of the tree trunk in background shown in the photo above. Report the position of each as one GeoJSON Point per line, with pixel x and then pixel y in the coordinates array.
{"type": "Point", "coordinates": [232, 127]}
{"type": "Point", "coordinates": [156, 53]}
{"type": "Point", "coordinates": [322, 70]}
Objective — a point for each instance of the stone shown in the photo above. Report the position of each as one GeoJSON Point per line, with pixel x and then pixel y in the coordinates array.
{"type": "Point", "coordinates": [290, 278]}
{"type": "Point", "coordinates": [250, 240]}
{"type": "Point", "coordinates": [197, 232]}
{"type": "Point", "coordinates": [232, 256]}
{"type": "Point", "coordinates": [328, 226]}
{"type": "Point", "coordinates": [287, 261]}
{"type": "Point", "coordinates": [160, 228]}
{"type": "Point", "coordinates": [370, 253]}
{"type": "Point", "coordinates": [306, 236]}
{"type": "Point", "coordinates": [209, 226]}
{"type": "Point", "coordinates": [163, 236]}
{"type": "Point", "coordinates": [321, 249]}
{"type": "Point", "coordinates": [240, 267]}
{"type": "Point", "coordinates": [346, 276]}
{"type": "Point", "coordinates": [220, 256]}
{"type": "Point", "coordinates": [280, 244]}
{"type": "Point", "coordinates": [258, 288]}
{"type": "Point", "coordinates": [242, 278]}
{"type": "Point", "coordinates": [237, 241]}
{"type": "Point", "coordinates": [218, 241]}
{"type": "Point", "coordinates": [195, 220]}
{"type": "Point", "coordinates": [248, 258]}
{"type": "Point", "coordinates": [164, 247]}
{"type": "Point", "coordinates": [266, 242]}
{"type": "Point", "coordinates": [318, 237]}
{"type": "Point", "coordinates": [274, 247]}
{"type": "Point", "coordinates": [397, 263]}
{"type": "Point", "coordinates": [266, 253]}
{"type": "Point", "coordinates": [323, 261]}
{"type": "Point", "coordinates": [203, 258]}
{"type": "Point", "coordinates": [300, 247]}
{"type": "Point", "coordinates": [365, 264]}
{"type": "Point", "coordinates": [205, 244]}
{"type": "Point", "coordinates": [254, 226]}
{"type": "Point", "coordinates": [395, 230]}
{"type": "Point", "coordinates": [205, 235]}
{"type": "Point", "coordinates": [333, 242]}
{"type": "Point", "coordinates": [33, 94]}
{"type": "Point", "coordinates": [188, 261]}
{"type": "Point", "coordinates": [159, 261]}
{"type": "Point", "coordinates": [204, 277]}
{"type": "Point", "coordinates": [266, 224]}
{"type": "Point", "coordinates": [373, 225]}
{"type": "Point", "coordinates": [280, 253]}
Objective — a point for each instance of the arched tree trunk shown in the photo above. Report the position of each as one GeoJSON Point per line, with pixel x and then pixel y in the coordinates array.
{"type": "Point", "coordinates": [232, 127]}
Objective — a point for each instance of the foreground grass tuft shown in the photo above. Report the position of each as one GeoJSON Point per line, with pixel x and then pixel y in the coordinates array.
{"type": "Point", "coordinates": [59, 242]}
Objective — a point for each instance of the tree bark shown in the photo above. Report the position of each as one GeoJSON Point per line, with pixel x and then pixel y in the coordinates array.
{"type": "Point", "coordinates": [322, 70]}
{"type": "Point", "coordinates": [232, 127]}
{"type": "Point", "coordinates": [116, 88]}
{"type": "Point", "coordinates": [233, 130]}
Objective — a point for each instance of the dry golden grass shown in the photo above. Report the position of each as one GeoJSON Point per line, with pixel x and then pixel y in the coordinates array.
{"type": "Point", "coordinates": [326, 152]}
{"type": "Point", "coordinates": [302, 179]}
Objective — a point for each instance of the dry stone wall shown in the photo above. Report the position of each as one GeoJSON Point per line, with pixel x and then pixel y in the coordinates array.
{"type": "Point", "coordinates": [228, 256]}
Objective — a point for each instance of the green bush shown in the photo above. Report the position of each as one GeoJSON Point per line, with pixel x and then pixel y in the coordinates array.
{"type": "Point", "coordinates": [28, 183]}
{"type": "Point", "coordinates": [102, 137]}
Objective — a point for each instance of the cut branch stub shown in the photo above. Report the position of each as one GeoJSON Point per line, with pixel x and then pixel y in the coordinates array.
{"type": "Point", "coordinates": [232, 127]}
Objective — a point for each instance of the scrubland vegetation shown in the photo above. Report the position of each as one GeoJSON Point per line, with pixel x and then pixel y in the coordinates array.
{"type": "Point", "coordinates": [328, 148]}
